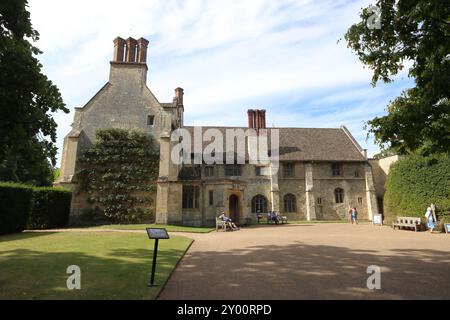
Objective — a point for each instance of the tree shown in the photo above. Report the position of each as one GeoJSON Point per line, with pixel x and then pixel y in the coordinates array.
{"type": "Point", "coordinates": [119, 174]}
{"type": "Point", "coordinates": [416, 33]}
{"type": "Point", "coordinates": [27, 98]}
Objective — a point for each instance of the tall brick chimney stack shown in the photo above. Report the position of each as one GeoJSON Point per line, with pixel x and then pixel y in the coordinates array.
{"type": "Point", "coordinates": [130, 50]}
{"type": "Point", "coordinates": [257, 119]}
{"type": "Point", "coordinates": [129, 62]}
{"type": "Point", "coordinates": [179, 93]}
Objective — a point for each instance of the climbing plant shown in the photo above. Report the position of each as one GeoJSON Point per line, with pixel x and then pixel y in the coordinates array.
{"type": "Point", "coordinates": [118, 174]}
{"type": "Point", "coordinates": [414, 183]}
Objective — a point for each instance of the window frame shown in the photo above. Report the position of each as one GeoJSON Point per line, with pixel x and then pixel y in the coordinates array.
{"type": "Point", "coordinates": [235, 169]}
{"type": "Point", "coordinates": [152, 122]}
{"type": "Point", "coordinates": [190, 197]}
{"type": "Point", "coordinates": [289, 173]}
{"type": "Point", "coordinates": [209, 171]}
{"type": "Point", "coordinates": [211, 198]}
{"type": "Point", "coordinates": [259, 202]}
{"type": "Point", "coordinates": [290, 202]}
{"type": "Point", "coordinates": [339, 195]}
{"type": "Point", "coordinates": [336, 169]}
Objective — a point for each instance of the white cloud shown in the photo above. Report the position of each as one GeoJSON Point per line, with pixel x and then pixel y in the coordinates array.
{"type": "Point", "coordinates": [225, 54]}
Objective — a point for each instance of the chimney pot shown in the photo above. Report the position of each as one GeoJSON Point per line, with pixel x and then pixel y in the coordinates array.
{"type": "Point", "coordinates": [250, 118]}
{"type": "Point", "coordinates": [119, 46]}
{"type": "Point", "coordinates": [142, 50]}
{"type": "Point", "coordinates": [131, 50]}
{"type": "Point", "coordinates": [263, 119]}
{"type": "Point", "coordinates": [257, 124]}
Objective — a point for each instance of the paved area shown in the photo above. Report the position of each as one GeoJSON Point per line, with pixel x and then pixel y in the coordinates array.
{"type": "Point", "coordinates": [317, 261]}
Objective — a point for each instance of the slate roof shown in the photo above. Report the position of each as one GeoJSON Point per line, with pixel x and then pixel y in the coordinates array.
{"type": "Point", "coordinates": [309, 144]}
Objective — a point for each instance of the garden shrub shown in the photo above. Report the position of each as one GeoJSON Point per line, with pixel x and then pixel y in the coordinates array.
{"type": "Point", "coordinates": [15, 206]}
{"type": "Point", "coordinates": [415, 182]}
{"type": "Point", "coordinates": [50, 208]}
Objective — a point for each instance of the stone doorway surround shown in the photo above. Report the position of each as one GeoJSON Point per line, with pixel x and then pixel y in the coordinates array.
{"type": "Point", "coordinates": [235, 193]}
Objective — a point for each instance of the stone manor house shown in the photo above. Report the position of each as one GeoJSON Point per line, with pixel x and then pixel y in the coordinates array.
{"type": "Point", "coordinates": [322, 171]}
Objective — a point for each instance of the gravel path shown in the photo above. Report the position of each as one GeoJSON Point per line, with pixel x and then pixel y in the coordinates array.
{"type": "Point", "coordinates": [316, 261]}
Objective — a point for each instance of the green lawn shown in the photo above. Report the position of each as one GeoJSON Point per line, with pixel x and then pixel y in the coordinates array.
{"type": "Point", "coordinates": [143, 226]}
{"type": "Point", "coordinates": [113, 265]}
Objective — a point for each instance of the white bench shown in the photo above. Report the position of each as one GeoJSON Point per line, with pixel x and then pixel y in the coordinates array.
{"type": "Point", "coordinates": [407, 222]}
{"type": "Point", "coordinates": [220, 224]}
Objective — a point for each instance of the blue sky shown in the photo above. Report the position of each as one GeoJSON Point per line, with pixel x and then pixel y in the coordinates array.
{"type": "Point", "coordinates": [229, 56]}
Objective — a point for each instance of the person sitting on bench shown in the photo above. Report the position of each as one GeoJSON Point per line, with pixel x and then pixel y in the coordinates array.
{"type": "Point", "coordinates": [272, 216]}
{"type": "Point", "coordinates": [228, 221]}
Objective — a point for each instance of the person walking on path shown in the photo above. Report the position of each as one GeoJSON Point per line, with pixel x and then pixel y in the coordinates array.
{"type": "Point", "coordinates": [430, 220]}
{"type": "Point", "coordinates": [350, 215]}
{"type": "Point", "coordinates": [354, 215]}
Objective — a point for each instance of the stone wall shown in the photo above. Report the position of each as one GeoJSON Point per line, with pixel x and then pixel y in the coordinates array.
{"type": "Point", "coordinates": [124, 102]}
{"type": "Point", "coordinates": [248, 185]}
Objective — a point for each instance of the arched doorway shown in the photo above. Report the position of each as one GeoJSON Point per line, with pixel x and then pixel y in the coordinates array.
{"type": "Point", "coordinates": [234, 207]}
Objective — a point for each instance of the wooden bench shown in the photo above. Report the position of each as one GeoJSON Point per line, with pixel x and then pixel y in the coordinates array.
{"type": "Point", "coordinates": [407, 222]}
{"type": "Point", "coordinates": [259, 217]}
{"type": "Point", "coordinates": [282, 219]}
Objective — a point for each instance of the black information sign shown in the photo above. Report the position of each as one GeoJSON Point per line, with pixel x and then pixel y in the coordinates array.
{"type": "Point", "coordinates": [155, 233]}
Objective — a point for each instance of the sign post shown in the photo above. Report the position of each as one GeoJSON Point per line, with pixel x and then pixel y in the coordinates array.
{"type": "Point", "coordinates": [447, 228]}
{"type": "Point", "coordinates": [377, 219]}
{"type": "Point", "coordinates": [155, 233]}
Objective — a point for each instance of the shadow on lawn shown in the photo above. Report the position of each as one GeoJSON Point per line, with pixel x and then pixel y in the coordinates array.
{"type": "Point", "coordinates": [23, 235]}
{"type": "Point", "coordinates": [119, 274]}
{"type": "Point", "coordinates": [305, 271]}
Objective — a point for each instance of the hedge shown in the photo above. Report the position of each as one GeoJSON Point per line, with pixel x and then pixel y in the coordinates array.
{"type": "Point", "coordinates": [23, 206]}
{"type": "Point", "coordinates": [50, 209]}
{"type": "Point", "coordinates": [414, 182]}
{"type": "Point", "coordinates": [15, 207]}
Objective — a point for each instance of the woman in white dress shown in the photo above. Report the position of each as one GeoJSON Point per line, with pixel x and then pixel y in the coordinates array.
{"type": "Point", "coordinates": [430, 220]}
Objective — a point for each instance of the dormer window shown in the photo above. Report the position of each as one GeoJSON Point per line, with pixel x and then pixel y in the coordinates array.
{"type": "Point", "coordinates": [150, 120]}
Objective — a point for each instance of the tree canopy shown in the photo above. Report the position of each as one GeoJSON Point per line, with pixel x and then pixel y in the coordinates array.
{"type": "Point", "coordinates": [27, 99]}
{"type": "Point", "coordinates": [415, 34]}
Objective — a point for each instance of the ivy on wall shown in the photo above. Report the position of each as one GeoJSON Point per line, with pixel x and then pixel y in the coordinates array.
{"type": "Point", "coordinates": [414, 182]}
{"type": "Point", "coordinates": [119, 172]}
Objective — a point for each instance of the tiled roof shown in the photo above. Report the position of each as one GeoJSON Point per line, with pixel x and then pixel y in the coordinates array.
{"type": "Point", "coordinates": [308, 144]}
